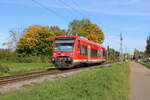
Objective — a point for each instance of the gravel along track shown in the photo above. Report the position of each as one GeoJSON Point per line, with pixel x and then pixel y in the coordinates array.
{"type": "Point", "coordinates": [22, 77]}
{"type": "Point", "coordinates": [12, 83]}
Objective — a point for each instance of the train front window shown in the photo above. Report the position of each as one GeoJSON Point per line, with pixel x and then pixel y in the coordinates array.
{"type": "Point", "coordinates": [64, 45]}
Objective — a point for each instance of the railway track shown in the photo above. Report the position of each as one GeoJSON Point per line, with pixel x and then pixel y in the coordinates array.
{"type": "Point", "coordinates": [28, 76]}
{"type": "Point", "coordinates": [22, 77]}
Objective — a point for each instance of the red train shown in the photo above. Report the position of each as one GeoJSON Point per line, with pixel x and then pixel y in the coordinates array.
{"type": "Point", "coordinates": [69, 51]}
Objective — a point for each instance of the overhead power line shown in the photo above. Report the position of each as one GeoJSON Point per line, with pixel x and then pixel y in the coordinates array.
{"type": "Point", "coordinates": [77, 5]}
{"type": "Point", "coordinates": [67, 5]}
{"type": "Point", "coordinates": [48, 9]}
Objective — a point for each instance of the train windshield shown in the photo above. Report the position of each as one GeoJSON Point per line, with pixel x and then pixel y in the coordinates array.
{"type": "Point", "coordinates": [64, 45]}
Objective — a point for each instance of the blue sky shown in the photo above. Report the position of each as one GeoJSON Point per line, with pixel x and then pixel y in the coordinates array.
{"type": "Point", "coordinates": [130, 17]}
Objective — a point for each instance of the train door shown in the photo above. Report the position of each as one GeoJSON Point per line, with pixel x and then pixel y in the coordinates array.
{"type": "Point", "coordinates": [89, 53]}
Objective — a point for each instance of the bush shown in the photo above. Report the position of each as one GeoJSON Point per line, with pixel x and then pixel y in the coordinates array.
{"type": "Point", "coordinates": [12, 58]}
{"type": "Point", "coordinates": [7, 55]}
{"type": "Point", "coordinates": [4, 69]}
{"type": "Point", "coordinates": [3, 54]}
{"type": "Point", "coordinates": [146, 64]}
{"type": "Point", "coordinates": [33, 59]}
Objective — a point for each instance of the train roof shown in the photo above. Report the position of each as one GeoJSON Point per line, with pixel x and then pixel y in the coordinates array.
{"type": "Point", "coordinates": [81, 38]}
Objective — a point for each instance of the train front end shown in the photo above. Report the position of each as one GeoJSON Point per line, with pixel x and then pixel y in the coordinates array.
{"type": "Point", "coordinates": [62, 51]}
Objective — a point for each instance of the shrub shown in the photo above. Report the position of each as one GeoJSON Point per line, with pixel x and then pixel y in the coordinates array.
{"type": "Point", "coordinates": [4, 69]}
{"type": "Point", "coordinates": [33, 59]}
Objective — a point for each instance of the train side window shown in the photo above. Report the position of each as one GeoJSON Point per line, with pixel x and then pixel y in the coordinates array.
{"type": "Point", "coordinates": [100, 53]}
{"type": "Point", "coordinates": [83, 50]}
{"type": "Point", "coordinates": [94, 53]}
{"type": "Point", "coordinates": [78, 43]}
{"type": "Point", "coordinates": [104, 53]}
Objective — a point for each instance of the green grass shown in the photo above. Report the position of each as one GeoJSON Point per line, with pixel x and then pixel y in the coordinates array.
{"type": "Point", "coordinates": [146, 64]}
{"type": "Point", "coordinates": [20, 68]}
{"type": "Point", "coordinates": [101, 83]}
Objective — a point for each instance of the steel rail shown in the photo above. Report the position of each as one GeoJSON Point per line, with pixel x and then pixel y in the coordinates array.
{"type": "Point", "coordinates": [28, 76]}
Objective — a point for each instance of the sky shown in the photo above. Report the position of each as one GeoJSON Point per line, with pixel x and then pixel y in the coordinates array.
{"type": "Point", "coordinates": [129, 17]}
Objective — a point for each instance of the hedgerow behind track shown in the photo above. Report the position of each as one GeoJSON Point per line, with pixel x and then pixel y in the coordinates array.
{"type": "Point", "coordinates": [146, 64]}
{"type": "Point", "coordinates": [22, 68]}
{"type": "Point", "coordinates": [101, 83]}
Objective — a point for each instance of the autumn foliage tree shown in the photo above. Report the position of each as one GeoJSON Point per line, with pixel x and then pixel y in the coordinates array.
{"type": "Point", "coordinates": [37, 40]}
{"type": "Point", "coordinates": [147, 51]}
{"type": "Point", "coordinates": [113, 55]}
{"type": "Point", "coordinates": [86, 29]}
{"type": "Point", "coordinates": [136, 54]}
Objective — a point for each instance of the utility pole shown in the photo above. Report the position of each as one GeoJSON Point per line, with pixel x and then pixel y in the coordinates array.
{"type": "Point", "coordinates": [121, 49]}
{"type": "Point", "coordinates": [107, 54]}
{"type": "Point", "coordinates": [69, 32]}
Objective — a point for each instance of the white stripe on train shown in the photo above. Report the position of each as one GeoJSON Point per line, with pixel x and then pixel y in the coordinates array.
{"type": "Point", "coordinates": [89, 61]}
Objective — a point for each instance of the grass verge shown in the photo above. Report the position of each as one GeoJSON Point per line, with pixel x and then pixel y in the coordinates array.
{"type": "Point", "coordinates": [20, 68]}
{"type": "Point", "coordinates": [101, 83]}
{"type": "Point", "coordinates": [146, 64]}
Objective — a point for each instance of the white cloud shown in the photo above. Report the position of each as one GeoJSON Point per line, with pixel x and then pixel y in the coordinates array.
{"type": "Point", "coordinates": [125, 2]}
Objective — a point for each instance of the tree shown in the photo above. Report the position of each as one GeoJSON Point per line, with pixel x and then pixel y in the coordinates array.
{"type": "Point", "coordinates": [117, 55]}
{"type": "Point", "coordinates": [136, 54]}
{"type": "Point", "coordinates": [147, 51]}
{"type": "Point", "coordinates": [11, 44]}
{"type": "Point", "coordinates": [37, 40]}
{"type": "Point", "coordinates": [14, 35]}
{"type": "Point", "coordinates": [113, 55]}
{"type": "Point", "coordinates": [86, 29]}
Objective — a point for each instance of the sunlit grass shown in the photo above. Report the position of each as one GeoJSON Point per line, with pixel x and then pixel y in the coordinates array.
{"type": "Point", "coordinates": [146, 64]}
{"type": "Point", "coordinates": [101, 83]}
{"type": "Point", "coordinates": [20, 68]}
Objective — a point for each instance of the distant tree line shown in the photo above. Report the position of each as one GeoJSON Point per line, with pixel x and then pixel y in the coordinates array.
{"type": "Point", "coordinates": [112, 55]}
{"type": "Point", "coordinates": [142, 55]}
{"type": "Point", "coordinates": [34, 43]}
{"type": "Point", "coordinates": [147, 51]}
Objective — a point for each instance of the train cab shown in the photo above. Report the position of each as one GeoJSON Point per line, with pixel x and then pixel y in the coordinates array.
{"type": "Point", "coordinates": [69, 51]}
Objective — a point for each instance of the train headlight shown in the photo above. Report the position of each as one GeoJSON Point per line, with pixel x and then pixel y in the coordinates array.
{"type": "Point", "coordinates": [54, 54]}
{"type": "Point", "coordinates": [69, 59]}
{"type": "Point", "coordinates": [71, 54]}
{"type": "Point", "coordinates": [53, 59]}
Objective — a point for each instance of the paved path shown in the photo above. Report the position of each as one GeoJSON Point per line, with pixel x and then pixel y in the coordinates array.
{"type": "Point", "coordinates": [139, 82]}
